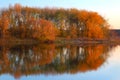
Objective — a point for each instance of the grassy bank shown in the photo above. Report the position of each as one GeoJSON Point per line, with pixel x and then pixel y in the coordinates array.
{"type": "Point", "coordinates": [4, 42]}
{"type": "Point", "coordinates": [87, 41]}
{"type": "Point", "coordinates": [15, 41]}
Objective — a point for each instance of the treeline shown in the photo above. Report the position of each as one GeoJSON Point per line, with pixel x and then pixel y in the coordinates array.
{"type": "Point", "coordinates": [48, 23]}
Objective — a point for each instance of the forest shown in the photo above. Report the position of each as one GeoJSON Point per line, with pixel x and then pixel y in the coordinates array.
{"type": "Point", "coordinates": [50, 24]}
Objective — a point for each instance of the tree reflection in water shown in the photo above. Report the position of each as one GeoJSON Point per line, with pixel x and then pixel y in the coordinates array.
{"type": "Point", "coordinates": [51, 59]}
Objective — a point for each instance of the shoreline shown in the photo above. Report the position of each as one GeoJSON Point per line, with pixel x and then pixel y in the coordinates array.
{"type": "Point", "coordinates": [7, 42]}
{"type": "Point", "coordinates": [4, 42]}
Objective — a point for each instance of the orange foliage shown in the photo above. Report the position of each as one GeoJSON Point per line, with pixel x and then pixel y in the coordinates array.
{"type": "Point", "coordinates": [17, 8]}
{"type": "Point", "coordinates": [45, 24]}
{"type": "Point", "coordinates": [44, 31]}
{"type": "Point", "coordinates": [73, 31]}
{"type": "Point", "coordinates": [4, 24]}
{"type": "Point", "coordinates": [83, 15]}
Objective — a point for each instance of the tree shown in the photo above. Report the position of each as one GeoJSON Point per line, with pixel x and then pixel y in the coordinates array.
{"type": "Point", "coordinates": [44, 31]}
{"type": "Point", "coordinates": [73, 31]}
{"type": "Point", "coordinates": [17, 7]}
{"type": "Point", "coordinates": [92, 25]}
{"type": "Point", "coordinates": [4, 24]}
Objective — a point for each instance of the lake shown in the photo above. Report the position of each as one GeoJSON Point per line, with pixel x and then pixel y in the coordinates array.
{"type": "Point", "coordinates": [60, 62]}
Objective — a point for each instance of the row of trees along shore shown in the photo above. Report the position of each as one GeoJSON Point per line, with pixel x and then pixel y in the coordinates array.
{"type": "Point", "coordinates": [47, 24]}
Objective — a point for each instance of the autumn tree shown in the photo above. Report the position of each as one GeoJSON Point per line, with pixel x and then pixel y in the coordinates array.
{"type": "Point", "coordinates": [92, 25]}
{"type": "Point", "coordinates": [17, 7]}
{"type": "Point", "coordinates": [4, 24]}
{"type": "Point", "coordinates": [73, 31]}
{"type": "Point", "coordinates": [44, 31]}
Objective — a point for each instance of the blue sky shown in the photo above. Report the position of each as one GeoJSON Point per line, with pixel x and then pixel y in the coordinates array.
{"type": "Point", "coordinates": [107, 8]}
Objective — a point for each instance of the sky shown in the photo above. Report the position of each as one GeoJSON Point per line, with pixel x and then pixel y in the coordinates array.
{"type": "Point", "coordinates": [109, 9]}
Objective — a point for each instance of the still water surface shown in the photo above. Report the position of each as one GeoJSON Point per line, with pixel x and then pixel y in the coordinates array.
{"type": "Point", "coordinates": [60, 62]}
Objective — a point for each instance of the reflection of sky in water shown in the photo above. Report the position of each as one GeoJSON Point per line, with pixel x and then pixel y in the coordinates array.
{"type": "Point", "coordinates": [109, 71]}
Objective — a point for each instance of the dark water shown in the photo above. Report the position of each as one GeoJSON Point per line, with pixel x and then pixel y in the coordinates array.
{"type": "Point", "coordinates": [60, 62]}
